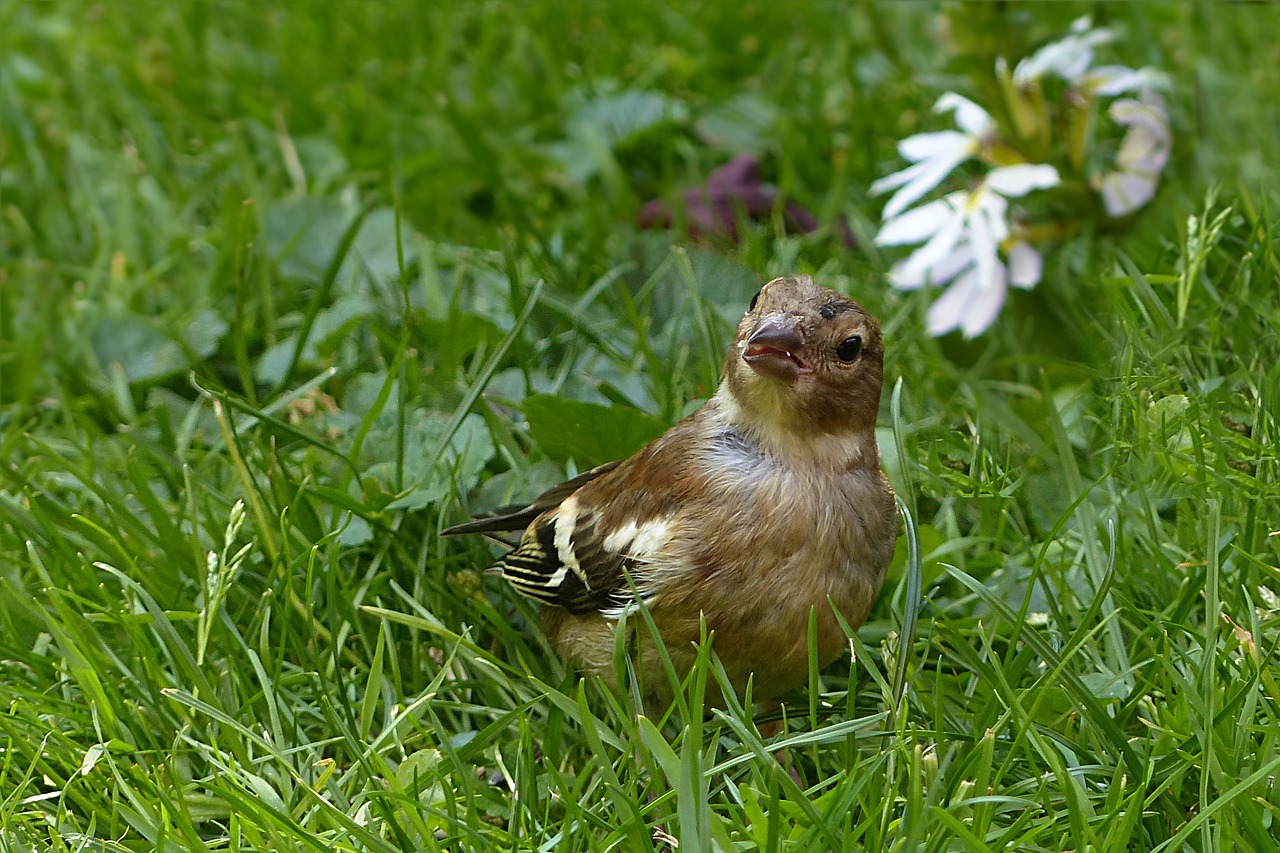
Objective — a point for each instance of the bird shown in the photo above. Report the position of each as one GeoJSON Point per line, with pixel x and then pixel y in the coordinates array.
{"type": "Point", "coordinates": [763, 509]}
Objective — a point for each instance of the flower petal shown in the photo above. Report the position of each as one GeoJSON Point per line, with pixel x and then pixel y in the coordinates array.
{"type": "Point", "coordinates": [1068, 58]}
{"type": "Point", "coordinates": [897, 179]}
{"type": "Point", "coordinates": [1125, 192]}
{"type": "Point", "coordinates": [1143, 154]}
{"type": "Point", "coordinates": [970, 117]}
{"type": "Point", "coordinates": [1021, 179]}
{"type": "Point", "coordinates": [940, 247]}
{"type": "Point", "coordinates": [947, 311]}
{"type": "Point", "coordinates": [940, 143]}
{"type": "Point", "coordinates": [984, 305]}
{"type": "Point", "coordinates": [1146, 145]}
{"type": "Point", "coordinates": [1108, 80]}
{"type": "Point", "coordinates": [1150, 110]}
{"type": "Point", "coordinates": [929, 176]}
{"type": "Point", "coordinates": [992, 208]}
{"type": "Point", "coordinates": [984, 244]}
{"type": "Point", "coordinates": [916, 225]}
{"type": "Point", "coordinates": [1025, 265]}
{"type": "Point", "coordinates": [1142, 151]}
{"type": "Point", "coordinates": [900, 278]}
{"type": "Point", "coordinates": [905, 275]}
{"type": "Point", "coordinates": [927, 148]}
{"type": "Point", "coordinates": [966, 305]}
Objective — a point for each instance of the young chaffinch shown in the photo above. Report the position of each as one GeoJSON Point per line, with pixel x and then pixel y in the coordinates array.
{"type": "Point", "coordinates": [765, 505]}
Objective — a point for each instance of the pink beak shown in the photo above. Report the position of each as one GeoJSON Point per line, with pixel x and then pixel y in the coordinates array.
{"type": "Point", "coordinates": [773, 349]}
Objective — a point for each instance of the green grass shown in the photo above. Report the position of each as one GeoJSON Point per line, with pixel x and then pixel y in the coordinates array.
{"type": "Point", "coordinates": [358, 266]}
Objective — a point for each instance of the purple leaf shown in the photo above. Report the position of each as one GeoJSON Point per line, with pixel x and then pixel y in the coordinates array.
{"type": "Point", "coordinates": [711, 211]}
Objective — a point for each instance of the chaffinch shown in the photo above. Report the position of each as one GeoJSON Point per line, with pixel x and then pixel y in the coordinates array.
{"type": "Point", "coordinates": [765, 505]}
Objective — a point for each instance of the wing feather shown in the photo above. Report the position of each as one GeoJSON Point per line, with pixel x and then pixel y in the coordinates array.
{"type": "Point", "coordinates": [586, 543]}
{"type": "Point", "coordinates": [562, 560]}
{"type": "Point", "coordinates": [520, 517]}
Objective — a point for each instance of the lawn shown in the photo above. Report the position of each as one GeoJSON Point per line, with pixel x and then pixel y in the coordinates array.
{"type": "Point", "coordinates": [286, 289]}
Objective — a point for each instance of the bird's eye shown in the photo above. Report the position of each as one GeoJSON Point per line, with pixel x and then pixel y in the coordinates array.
{"type": "Point", "coordinates": [755, 299]}
{"type": "Point", "coordinates": [850, 348]}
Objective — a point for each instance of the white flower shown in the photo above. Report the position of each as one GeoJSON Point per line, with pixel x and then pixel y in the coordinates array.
{"type": "Point", "coordinates": [963, 234]}
{"type": "Point", "coordinates": [971, 303]}
{"type": "Point", "coordinates": [1143, 154]}
{"type": "Point", "coordinates": [1025, 265]}
{"type": "Point", "coordinates": [1068, 58]}
{"type": "Point", "coordinates": [1109, 80]}
{"type": "Point", "coordinates": [1072, 59]}
{"type": "Point", "coordinates": [935, 155]}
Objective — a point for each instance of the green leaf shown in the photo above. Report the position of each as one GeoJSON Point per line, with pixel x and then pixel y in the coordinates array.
{"type": "Point", "coordinates": [588, 433]}
{"type": "Point", "coordinates": [740, 124]}
{"type": "Point", "coordinates": [142, 351]}
{"type": "Point", "coordinates": [457, 337]}
{"type": "Point", "coordinates": [620, 117]}
{"type": "Point", "coordinates": [468, 451]}
{"type": "Point", "coordinates": [611, 120]}
{"type": "Point", "coordinates": [345, 313]}
{"type": "Point", "coordinates": [419, 767]}
{"type": "Point", "coordinates": [204, 332]}
{"type": "Point", "coordinates": [322, 161]}
{"type": "Point", "coordinates": [373, 264]}
{"type": "Point", "coordinates": [302, 233]}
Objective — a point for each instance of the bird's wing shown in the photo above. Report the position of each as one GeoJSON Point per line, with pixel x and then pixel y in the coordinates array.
{"type": "Point", "coordinates": [520, 517]}
{"type": "Point", "coordinates": [589, 542]}
{"type": "Point", "coordinates": [561, 558]}
{"type": "Point", "coordinates": [565, 559]}
{"type": "Point", "coordinates": [618, 535]}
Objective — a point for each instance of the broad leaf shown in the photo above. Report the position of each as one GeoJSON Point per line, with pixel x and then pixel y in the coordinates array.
{"type": "Point", "coordinates": [588, 433]}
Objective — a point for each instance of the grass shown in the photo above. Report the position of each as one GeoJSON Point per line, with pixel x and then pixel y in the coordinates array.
{"type": "Point", "coordinates": [284, 291]}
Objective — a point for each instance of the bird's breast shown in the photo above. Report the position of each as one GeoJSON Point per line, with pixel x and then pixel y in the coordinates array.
{"type": "Point", "coordinates": [771, 543]}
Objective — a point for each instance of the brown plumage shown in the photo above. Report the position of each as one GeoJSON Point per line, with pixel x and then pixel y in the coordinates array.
{"type": "Point", "coordinates": [764, 505]}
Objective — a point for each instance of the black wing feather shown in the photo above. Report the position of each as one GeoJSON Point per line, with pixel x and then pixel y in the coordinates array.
{"type": "Point", "coordinates": [520, 517]}
{"type": "Point", "coordinates": [535, 568]}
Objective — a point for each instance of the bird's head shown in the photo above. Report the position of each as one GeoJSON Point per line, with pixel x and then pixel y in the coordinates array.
{"type": "Point", "coordinates": [807, 359]}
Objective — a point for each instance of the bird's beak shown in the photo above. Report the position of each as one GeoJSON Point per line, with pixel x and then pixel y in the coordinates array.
{"type": "Point", "coordinates": [773, 349]}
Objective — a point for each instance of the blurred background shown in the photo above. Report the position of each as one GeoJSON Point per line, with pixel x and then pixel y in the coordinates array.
{"type": "Point", "coordinates": [369, 268]}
